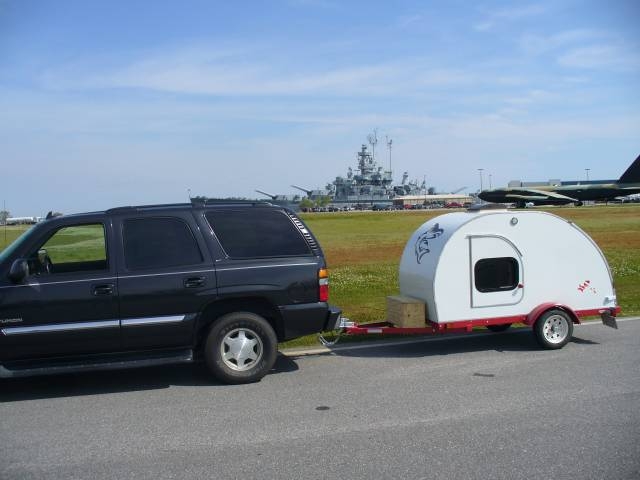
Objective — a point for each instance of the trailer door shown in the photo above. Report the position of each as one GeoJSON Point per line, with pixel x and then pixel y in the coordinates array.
{"type": "Point", "coordinates": [496, 272]}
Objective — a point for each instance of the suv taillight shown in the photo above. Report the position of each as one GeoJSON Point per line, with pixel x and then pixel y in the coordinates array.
{"type": "Point", "coordinates": [323, 285]}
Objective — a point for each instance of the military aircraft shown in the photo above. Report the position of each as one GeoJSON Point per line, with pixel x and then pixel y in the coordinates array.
{"type": "Point", "coordinates": [575, 192]}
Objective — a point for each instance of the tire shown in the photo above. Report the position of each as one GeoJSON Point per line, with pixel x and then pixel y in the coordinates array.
{"type": "Point", "coordinates": [553, 329]}
{"type": "Point", "coordinates": [241, 348]}
{"type": "Point", "coordinates": [499, 328]}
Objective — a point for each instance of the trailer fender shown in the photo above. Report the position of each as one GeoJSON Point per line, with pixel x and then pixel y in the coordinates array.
{"type": "Point", "coordinates": [540, 309]}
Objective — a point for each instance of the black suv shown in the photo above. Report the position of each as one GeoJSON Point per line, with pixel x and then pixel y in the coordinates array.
{"type": "Point", "coordinates": [149, 285]}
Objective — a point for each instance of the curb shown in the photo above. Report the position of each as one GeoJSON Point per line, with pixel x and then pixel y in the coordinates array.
{"type": "Point", "coordinates": [320, 350]}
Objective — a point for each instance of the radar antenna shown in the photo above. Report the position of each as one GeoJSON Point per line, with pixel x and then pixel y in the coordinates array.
{"type": "Point", "coordinates": [373, 140]}
{"type": "Point", "coordinates": [389, 143]}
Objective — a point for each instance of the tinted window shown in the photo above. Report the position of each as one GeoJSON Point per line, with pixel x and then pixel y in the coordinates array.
{"type": "Point", "coordinates": [257, 233]}
{"type": "Point", "coordinates": [496, 274]}
{"type": "Point", "coordinates": [159, 242]}
{"type": "Point", "coordinates": [76, 248]}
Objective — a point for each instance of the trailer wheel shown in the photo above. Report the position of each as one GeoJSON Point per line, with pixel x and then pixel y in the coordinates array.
{"type": "Point", "coordinates": [241, 348]}
{"type": "Point", "coordinates": [553, 329]}
{"type": "Point", "coordinates": [499, 328]}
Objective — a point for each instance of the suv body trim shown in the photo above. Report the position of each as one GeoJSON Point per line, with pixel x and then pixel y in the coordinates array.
{"type": "Point", "coordinates": [60, 282]}
{"type": "Point", "coordinates": [66, 327]}
{"type": "Point", "coordinates": [60, 327]}
{"type": "Point", "coordinates": [164, 274]}
{"type": "Point", "coordinates": [249, 267]}
{"type": "Point", "coordinates": [131, 322]}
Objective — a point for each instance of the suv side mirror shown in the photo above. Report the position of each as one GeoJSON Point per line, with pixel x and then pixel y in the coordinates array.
{"type": "Point", "coordinates": [19, 270]}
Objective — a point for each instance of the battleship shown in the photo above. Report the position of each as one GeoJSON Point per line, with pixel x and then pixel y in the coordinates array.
{"type": "Point", "coordinates": [369, 185]}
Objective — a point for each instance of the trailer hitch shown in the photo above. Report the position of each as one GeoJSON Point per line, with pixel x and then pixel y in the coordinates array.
{"type": "Point", "coordinates": [338, 331]}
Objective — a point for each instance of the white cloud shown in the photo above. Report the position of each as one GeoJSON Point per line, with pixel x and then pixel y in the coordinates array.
{"type": "Point", "coordinates": [408, 20]}
{"type": "Point", "coordinates": [257, 71]}
{"type": "Point", "coordinates": [531, 97]}
{"type": "Point", "coordinates": [539, 44]}
{"type": "Point", "coordinates": [506, 15]}
{"type": "Point", "coordinates": [601, 57]}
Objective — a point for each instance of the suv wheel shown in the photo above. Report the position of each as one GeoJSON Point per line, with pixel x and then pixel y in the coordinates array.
{"type": "Point", "coordinates": [241, 348]}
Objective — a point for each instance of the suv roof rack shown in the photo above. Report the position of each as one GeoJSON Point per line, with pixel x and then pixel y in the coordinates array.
{"type": "Point", "coordinates": [200, 202]}
{"type": "Point", "coordinates": [129, 208]}
{"type": "Point", "coordinates": [195, 202]}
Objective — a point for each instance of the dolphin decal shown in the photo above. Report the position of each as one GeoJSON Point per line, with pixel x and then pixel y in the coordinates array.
{"type": "Point", "coordinates": [422, 244]}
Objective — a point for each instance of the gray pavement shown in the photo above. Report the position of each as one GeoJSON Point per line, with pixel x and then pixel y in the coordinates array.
{"type": "Point", "coordinates": [484, 406]}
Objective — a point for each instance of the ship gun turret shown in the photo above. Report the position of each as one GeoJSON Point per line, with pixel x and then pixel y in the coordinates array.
{"type": "Point", "coordinates": [308, 192]}
{"type": "Point", "coordinates": [273, 197]}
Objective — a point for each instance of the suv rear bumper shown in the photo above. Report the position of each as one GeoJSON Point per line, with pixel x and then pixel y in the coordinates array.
{"type": "Point", "coordinates": [308, 318]}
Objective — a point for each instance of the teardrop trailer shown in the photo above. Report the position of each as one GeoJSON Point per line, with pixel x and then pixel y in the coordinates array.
{"type": "Point", "coordinates": [493, 268]}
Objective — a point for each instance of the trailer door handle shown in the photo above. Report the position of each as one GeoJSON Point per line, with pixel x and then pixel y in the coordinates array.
{"type": "Point", "coordinates": [194, 282]}
{"type": "Point", "coordinates": [106, 289]}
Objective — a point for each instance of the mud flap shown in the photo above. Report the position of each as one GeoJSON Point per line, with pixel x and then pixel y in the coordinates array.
{"type": "Point", "coordinates": [609, 320]}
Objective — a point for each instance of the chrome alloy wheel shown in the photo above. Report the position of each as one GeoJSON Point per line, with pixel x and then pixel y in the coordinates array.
{"type": "Point", "coordinates": [555, 329]}
{"type": "Point", "coordinates": [241, 349]}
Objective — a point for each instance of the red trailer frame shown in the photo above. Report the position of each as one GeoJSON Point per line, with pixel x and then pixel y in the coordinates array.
{"type": "Point", "coordinates": [347, 327]}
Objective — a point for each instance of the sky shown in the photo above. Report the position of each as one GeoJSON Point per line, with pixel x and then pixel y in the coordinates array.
{"type": "Point", "coordinates": [112, 103]}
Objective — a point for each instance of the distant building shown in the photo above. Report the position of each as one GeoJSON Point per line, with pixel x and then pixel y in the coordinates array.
{"type": "Point", "coordinates": [442, 199]}
{"type": "Point", "coordinates": [23, 220]}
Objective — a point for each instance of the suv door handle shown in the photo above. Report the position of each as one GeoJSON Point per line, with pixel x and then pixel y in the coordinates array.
{"type": "Point", "coordinates": [106, 289]}
{"type": "Point", "coordinates": [194, 282]}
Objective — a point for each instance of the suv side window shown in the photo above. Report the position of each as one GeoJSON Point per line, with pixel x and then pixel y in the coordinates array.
{"type": "Point", "coordinates": [77, 248]}
{"type": "Point", "coordinates": [159, 242]}
{"type": "Point", "coordinates": [257, 233]}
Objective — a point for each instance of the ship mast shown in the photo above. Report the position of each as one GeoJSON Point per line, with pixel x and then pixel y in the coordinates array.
{"type": "Point", "coordinates": [389, 142]}
{"type": "Point", "coordinates": [373, 140]}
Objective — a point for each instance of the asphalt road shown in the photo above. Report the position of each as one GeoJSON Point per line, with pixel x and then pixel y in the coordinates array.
{"type": "Point", "coordinates": [485, 406]}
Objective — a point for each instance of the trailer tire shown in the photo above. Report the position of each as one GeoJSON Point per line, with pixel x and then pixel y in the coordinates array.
{"type": "Point", "coordinates": [553, 329]}
{"type": "Point", "coordinates": [241, 347]}
{"type": "Point", "coordinates": [498, 328]}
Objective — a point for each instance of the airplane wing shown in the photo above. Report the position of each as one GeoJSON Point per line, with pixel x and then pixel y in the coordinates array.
{"type": "Point", "coordinates": [532, 195]}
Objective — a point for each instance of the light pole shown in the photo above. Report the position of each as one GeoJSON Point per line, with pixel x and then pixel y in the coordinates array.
{"type": "Point", "coordinates": [480, 170]}
{"type": "Point", "coordinates": [587, 170]}
{"type": "Point", "coordinates": [490, 186]}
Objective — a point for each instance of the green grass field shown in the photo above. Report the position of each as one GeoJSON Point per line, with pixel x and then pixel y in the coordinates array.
{"type": "Point", "coordinates": [363, 251]}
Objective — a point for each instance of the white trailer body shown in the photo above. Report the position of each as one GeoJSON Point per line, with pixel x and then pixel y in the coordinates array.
{"type": "Point", "coordinates": [505, 267]}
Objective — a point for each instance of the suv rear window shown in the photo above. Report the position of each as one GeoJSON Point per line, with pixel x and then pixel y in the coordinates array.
{"type": "Point", "coordinates": [257, 233]}
{"type": "Point", "coordinates": [159, 242]}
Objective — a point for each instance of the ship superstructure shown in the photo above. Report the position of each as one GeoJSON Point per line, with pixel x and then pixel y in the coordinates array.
{"type": "Point", "coordinates": [367, 184]}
